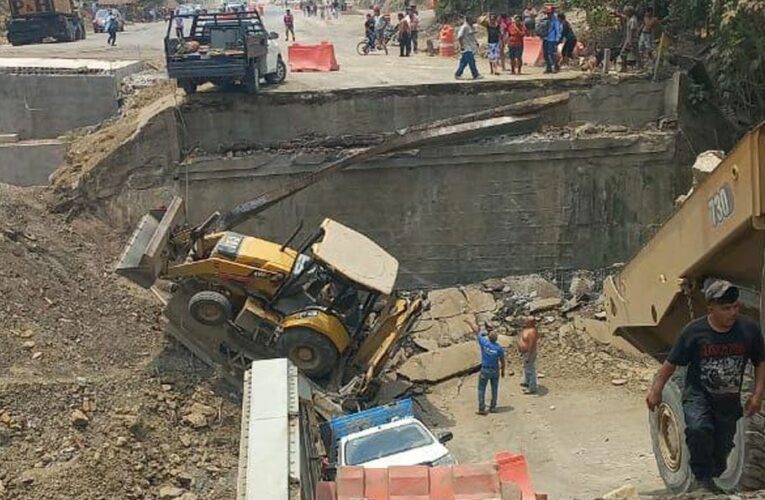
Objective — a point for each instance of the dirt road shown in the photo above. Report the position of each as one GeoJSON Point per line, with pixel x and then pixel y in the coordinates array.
{"type": "Point", "coordinates": [580, 439]}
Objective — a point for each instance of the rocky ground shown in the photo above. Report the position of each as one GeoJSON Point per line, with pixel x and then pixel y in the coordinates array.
{"type": "Point", "coordinates": [94, 402]}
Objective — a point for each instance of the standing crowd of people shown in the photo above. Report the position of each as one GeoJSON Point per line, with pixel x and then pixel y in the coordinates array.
{"type": "Point", "coordinates": [378, 30]}
{"type": "Point", "coordinates": [506, 36]}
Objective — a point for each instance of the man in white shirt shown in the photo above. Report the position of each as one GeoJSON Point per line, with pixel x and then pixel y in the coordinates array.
{"type": "Point", "coordinates": [469, 46]}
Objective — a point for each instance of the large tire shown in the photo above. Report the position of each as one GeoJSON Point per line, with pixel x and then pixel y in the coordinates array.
{"type": "Point", "coordinates": [312, 352]}
{"type": "Point", "coordinates": [667, 424]}
{"type": "Point", "coordinates": [280, 74]}
{"type": "Point", "coordinates": [210, 308]}
{"type": "Point", "coordinates": [746, 462]}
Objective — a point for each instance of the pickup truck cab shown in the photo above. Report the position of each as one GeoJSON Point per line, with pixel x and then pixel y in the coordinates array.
{"type": "Point", "coordinates": [223, 49]}
{"type": "Point", "coordinates": [388, 435]}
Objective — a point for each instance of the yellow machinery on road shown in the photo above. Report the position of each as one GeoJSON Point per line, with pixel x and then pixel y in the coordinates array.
{"type": "Point", "coordinates": [718, 231]}
{"type": "Point", "coordinates": [234, 298]}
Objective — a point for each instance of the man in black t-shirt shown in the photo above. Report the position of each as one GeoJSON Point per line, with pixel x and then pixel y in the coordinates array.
{"type": "Point", "coordinates": [715, 348]}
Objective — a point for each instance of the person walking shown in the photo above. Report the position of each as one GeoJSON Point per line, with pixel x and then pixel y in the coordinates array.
{"type": "Point", "coordinates": [516, 33]}
{"type": "Point", "coordinates": [289, 25]}
{"type": "Point", "coordinates": [179, 28]}
{"type": "Point", "coordinates": [548, 28]}
{"type": "Point", "coordinates": [504, 35]}
{"type": "Point", "coordinates": [567, 34]}
{"type": "Point", "coordinates": [715, 349]}
{"type": "Point", "coordinates": [492, 366]}
{"type": "Point", "coordinates": [468, 46]}
{"type": "Point", "coordinates": [404, 35]}
{"type": "Point", "coordinates": [111, 27]}
{"type": "Point", "coordinates": [414, 21]}
{"type": "Point", "coordinates": [527, 346]}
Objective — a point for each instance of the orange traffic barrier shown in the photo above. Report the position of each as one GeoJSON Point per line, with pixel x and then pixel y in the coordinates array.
{"type": "Point", "coordinates": [316, 57]}
{"type": "Point", "coordinates": [513, 468]}
{"type": "Point", "coordinates": [532, 51]}
{"type": "Point", "coordinates": [446, 41]}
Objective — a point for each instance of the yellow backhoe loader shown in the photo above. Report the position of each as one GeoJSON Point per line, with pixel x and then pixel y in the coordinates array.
{"type": "Point", "coordinates": [235, 298]}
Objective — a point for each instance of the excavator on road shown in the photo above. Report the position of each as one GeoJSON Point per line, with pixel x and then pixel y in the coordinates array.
{"type": "Point", "coordinates": [718, 231]}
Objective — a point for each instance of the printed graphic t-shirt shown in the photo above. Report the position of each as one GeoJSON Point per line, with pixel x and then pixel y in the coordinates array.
{"type": "Point", "coordinates": [716, 361]}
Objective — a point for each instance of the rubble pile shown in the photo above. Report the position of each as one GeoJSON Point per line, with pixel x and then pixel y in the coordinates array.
{"type": "Point", "coordinates": [443, 345]}
{"type": "Point", "coordinates": [94, 402]}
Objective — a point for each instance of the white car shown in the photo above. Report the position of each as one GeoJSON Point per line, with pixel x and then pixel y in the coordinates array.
{"type": "Point", "coordinates": [404, 441]}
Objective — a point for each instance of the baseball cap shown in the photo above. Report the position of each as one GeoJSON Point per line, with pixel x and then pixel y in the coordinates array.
{"type": "Point", "coordinates": [719, 290]}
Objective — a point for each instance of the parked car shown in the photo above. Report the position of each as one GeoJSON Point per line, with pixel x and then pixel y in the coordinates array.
{"type": "Point", "coordinates": [99, 20]}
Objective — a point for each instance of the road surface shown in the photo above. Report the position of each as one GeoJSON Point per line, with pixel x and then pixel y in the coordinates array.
{"type": "Point", "coordinates": [142, 41]}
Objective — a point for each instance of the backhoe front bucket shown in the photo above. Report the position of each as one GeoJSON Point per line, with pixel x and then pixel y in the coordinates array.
{"type": "Point", "coordinates": [145, 255]}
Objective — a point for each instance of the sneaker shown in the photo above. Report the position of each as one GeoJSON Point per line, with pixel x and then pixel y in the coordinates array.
{"type": "Point", "coordinates": [493, 409]}
{"type": "Point", "coordinates": [529, 391]}
{"type": "Point", "coordinates": [482, 412]}
{"type": "Point", "coordinates": [479, 77]}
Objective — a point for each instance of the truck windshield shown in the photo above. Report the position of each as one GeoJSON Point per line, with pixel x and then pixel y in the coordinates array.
{"type": "Point", "coordinates": [385, 443]}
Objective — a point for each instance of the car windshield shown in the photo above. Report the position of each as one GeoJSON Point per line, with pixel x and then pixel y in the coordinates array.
{"type": "Point", "coordinates": [385, 443]}
{"type": "Point", "coordinates": [102, 14]}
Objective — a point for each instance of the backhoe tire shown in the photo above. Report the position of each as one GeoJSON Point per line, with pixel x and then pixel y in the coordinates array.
{"type": "Point", "coordinates": [746, 462]}
{"type": "Point", "coordinates": [312, 352]}
{"type": "Point", "coordinates": [210, 308]}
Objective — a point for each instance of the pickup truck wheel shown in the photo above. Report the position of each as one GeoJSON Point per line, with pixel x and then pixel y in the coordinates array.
{"type": "Point", "coordinates": [188, 86]}
{"type": "Point", "coordinates": [252, 80]}
{"type": "Point", "coordinates": [279, 75]}
{"type": "Point", "coordinates": [312, 352]}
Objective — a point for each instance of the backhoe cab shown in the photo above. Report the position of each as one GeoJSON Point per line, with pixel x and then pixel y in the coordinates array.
{"type": "Point", "coordinates": [236, 298]}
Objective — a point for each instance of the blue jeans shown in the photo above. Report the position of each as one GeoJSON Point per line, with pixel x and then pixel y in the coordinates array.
{"type": "Point", "coordinates": [550, 51]}
{"type": "Point", "coordinates": [530, 371]}
{"type": "Point", "coordinates": [487, 376]}
{"type": "Point", "coordinates": [467, 59]}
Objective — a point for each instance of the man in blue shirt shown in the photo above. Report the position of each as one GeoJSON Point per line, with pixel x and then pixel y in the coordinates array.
{"type": "Point", "coordinates": [551, 40]}
{"type": "Point", "coordinates": [492, 365]}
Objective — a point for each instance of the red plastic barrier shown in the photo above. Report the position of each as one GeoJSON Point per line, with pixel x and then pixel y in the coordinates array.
{"type": "Point", "coordinates": [513, 468]}
{"type": "Point", "coordinates": [318, 57]}
{"type": "Point", "coordinates": [532, 51]}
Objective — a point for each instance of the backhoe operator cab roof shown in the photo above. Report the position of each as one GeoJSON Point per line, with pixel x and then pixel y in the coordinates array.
{"type": "Point", "coordinates": [356, 257]}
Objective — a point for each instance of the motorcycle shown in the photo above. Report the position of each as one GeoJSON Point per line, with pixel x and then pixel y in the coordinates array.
{"type": "Point", "coordinates": [364, 47]}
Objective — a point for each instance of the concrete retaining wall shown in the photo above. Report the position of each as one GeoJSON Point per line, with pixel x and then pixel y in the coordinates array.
{"type": "Point", "coordinates": [463, 213]}
{"type": "Point", "coordinates": [46, 106]}
{"type": "Point", "coordinates": [30, 163]}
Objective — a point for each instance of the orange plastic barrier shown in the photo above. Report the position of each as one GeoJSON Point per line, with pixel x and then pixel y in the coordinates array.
{"type": "Point", "coordinates": [513, 468]}
{"type": "Point", "coordinates": [317, 57]}
{"type": "Point", "coordinates": [532, 51]}
{"type": "Point", "coordinates": [446, 41]}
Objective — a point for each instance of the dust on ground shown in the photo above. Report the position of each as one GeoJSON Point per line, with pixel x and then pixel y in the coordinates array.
{"type": "Point", "coordinates": [94, 402]}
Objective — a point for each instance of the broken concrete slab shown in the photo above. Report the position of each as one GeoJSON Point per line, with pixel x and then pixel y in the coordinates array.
{"type": "Point", "coordinates": [442, 364]}
{"type": "Point", "coordinates": [430, 334]}
{"type": "Point", "coordinates": [542, 305]}
{"type": "Point", "coordinates": [531, 284]}
{"type": "Point", "coordinates": [599, 331]}
{"type": "Point", "coordinates": [449, 302]}
{"type": "Point", "coordinates": [391, 388]}
{"type": "Point", "coordinates": [582, 284]}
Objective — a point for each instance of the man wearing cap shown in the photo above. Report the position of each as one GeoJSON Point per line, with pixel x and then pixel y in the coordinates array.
{"type": "Point", "coordinates": [492, 365]}
{"type": "Point", "coordinates": [715, 348]}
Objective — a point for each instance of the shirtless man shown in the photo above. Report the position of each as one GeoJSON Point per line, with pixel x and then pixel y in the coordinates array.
{"type": "Point", "coordinates": [527, 346]}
